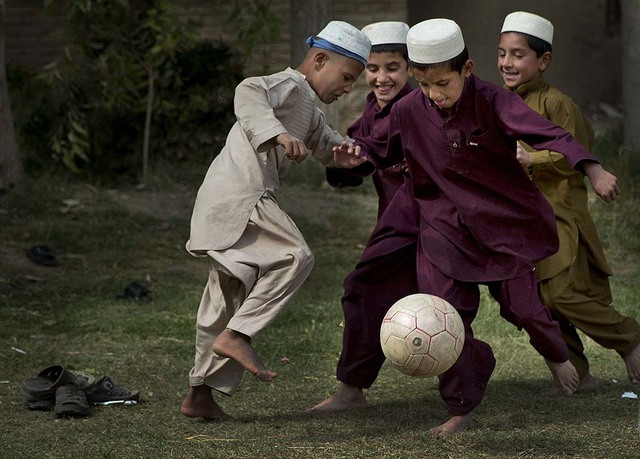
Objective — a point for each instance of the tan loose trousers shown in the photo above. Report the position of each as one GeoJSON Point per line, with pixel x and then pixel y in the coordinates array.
{"type": "Point", "coordinates": [249, 284]}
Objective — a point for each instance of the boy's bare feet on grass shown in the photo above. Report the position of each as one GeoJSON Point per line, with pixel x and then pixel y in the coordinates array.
{"type": "Point", "coordinates": [586, 384]}
{"type": "Point", "coordinates": [238, 347]}
{"type": "Point", "coordinates": [565, 376]}
{"type": "Point", "coordinates": [346, 397]}
{"type": "Point", "coordinates": [454, 425]}
{"type": "Point", "coordinates": [632, 360]}
{"type": "Point", "coordinates": [199, 403]}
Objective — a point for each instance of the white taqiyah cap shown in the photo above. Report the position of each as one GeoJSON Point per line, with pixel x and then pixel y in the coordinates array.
{"type": "Point", "coordinates": [347, 37]}
{"type": "Point", "coordinates": [529, 23]}
{"type": "Point", "coordinates": [386, 32]}
{"type": "Point", "coordinates": [434, 41]}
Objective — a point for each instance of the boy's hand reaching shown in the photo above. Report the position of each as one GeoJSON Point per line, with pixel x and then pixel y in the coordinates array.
{"type": "Point", "coordinates": [347, 155]}
{"type": "Point", "coordinates": [523, 156]}
{"type": "Point", "coordinates": [603, 183]}
{"type": "Point", "coordinates": [294, 148]}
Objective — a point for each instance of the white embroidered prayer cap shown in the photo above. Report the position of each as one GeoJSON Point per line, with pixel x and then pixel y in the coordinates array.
{"type": "Point", "coordinates": [348, 37]}
{"type": "Point", "coordinates": [386, 32]}
{"type": "Point", "coordinates": [529, 23]}
{"type": "Point", "coordinates": [434, 41]}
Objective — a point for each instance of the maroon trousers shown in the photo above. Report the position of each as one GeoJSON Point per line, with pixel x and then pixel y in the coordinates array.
{"type": "Point", "coordinates": [393, 266]}
{"type": "Point", "coordinates": [385, 273]}
{"type": "Point", "coordinates": [462, 387]}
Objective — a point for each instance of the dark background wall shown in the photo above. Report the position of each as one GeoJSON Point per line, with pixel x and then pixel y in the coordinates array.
{"type": "Point", "coordinates": [587, 40]}
{"type": "Point", "coordinates": [586, 45]}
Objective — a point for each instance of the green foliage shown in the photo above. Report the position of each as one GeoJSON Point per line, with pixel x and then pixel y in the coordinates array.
{"type": "Point", "coordinates": [203, 110]}
{"type": "Point", "coordinates": [101, 85]}
{"type": "Point", "coordinates": [33, 115]}
{"type": "Point", "coordinates": [88, 108]}
{"type": "Point", "coordinates": [126, 60]}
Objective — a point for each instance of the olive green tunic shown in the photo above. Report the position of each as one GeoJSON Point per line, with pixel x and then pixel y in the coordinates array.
{"type": "Point", "coordinates": [563, 186]}
{"type": "Point", "coordinates": [574, 281]}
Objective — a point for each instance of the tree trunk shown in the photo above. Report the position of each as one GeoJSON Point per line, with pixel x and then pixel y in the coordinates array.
{"type": "Point", "coordinates": [10, 164]}
{"type": "Point", "coordinates": [147, 124]}
{"type": "Point", "coordinates": [308, 17]}
{"type": "Point", "coordinates": [630, 16]}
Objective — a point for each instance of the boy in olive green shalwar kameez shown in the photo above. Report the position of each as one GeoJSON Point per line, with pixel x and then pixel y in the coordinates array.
{"type": "Point", "coordinates": [573, 282]}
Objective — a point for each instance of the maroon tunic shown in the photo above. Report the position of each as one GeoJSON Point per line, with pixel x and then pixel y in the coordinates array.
{"type": "Point", "coordinates": [482, 218]}
{"type": "Point", "coordinates": [386, 181]}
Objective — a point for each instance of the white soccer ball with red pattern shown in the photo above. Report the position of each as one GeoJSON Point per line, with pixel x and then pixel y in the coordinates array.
{"type": "Point", "coordinates": [422, 335]}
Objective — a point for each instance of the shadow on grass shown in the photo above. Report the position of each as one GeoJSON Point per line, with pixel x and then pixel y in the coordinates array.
{"type": "Point", "coordinates": [508, 404]}
{"type": "Point", "coordinates": [514, 420]}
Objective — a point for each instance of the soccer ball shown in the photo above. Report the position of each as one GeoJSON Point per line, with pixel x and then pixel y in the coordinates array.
{"type": "Point", "coordinates": [422, 335]}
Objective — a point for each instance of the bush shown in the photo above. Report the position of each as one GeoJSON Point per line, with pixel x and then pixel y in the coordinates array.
{"type": "Point", "coordinates": [204, 106]}
{"type": "Point", "coordinates": [88, 110]}
{"type": "Point", "coordinates": [33, 116]}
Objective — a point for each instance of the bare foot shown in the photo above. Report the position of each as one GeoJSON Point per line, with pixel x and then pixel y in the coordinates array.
{"type": "Point", "coordinates": [238, 347]}
{"type": "Point", "coordinates": [586, 384]}
{"type": "Point", "coordinates": [454, 425]}
{"type": "Point", "coordinates": [565, 376]}
{"type": "Point", "coordinates": [199, 403]}
{"type": "Point", "coordinates": [632, 360]}
{"type": "Point", "coordinates": [346, 397]}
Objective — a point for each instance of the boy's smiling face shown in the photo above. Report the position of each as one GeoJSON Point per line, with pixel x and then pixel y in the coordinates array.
{"type": "Point", "coordinates": [517, 62]}
{"type": "Point", "coordinates": [386, 73]}
{"type": "Point", "coordinates": [441, 84]}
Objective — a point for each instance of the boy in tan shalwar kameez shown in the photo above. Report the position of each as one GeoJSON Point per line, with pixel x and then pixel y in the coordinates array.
{"type": "Point", "coordinates": [258, 258]}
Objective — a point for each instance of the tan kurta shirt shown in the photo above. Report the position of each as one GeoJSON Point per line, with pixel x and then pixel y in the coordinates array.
{"type": "Point", "coordinates": [563, 186]}
{"type": "Point", "coordinates": [251, 164]}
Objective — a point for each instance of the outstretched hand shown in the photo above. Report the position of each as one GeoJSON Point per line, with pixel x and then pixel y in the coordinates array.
{"type": "Point", "coordinates": [294, 148]}
{"type": "Point", "coordinates": [523, 156]}
{"type": "Point", "coordinates": [603, 183]}
{"type": "Point", "coordinates": [347, 155]}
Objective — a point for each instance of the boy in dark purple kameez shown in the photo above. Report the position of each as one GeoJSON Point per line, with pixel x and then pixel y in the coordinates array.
{"type": "Point", "coordinates": [386, 271]}
{"type": "Point", "coordinates": [387, 74]}
{"type": "Point", "coordinates": [482, 220]}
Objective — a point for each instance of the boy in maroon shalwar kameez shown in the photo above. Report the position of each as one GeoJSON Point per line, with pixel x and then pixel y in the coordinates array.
{"type": "Point", "coordinates": [482, 220]}
{"type": "Point", "coordinates": [387, 74]}
{"type": "Point", "coordinates": [386, 271]}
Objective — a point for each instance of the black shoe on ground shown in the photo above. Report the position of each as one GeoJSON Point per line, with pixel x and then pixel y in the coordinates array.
{"type": "Point", "coordinates": [105, 392]}
{"type": "Point", "coordinates": [42, 255]}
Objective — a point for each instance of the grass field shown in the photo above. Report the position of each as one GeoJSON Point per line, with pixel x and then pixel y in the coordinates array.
{"type": "Point", "coordinates": [106, 238]}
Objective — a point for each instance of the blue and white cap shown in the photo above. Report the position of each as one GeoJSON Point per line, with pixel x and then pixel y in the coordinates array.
{"type": "Point", "coordinates": [342, 38]}
{"type": "Point", "coordinates": [529, 23]}
{"type": "Point", "coordinates": [434, 41]}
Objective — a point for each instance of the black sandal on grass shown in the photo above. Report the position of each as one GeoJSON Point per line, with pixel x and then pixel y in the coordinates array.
{"type": "Point", "coordinates": [42, 255]}
{"type": "Point", "coordinates": [39, 392]}
{"type": "Point", "coordinates": [71, 402]}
